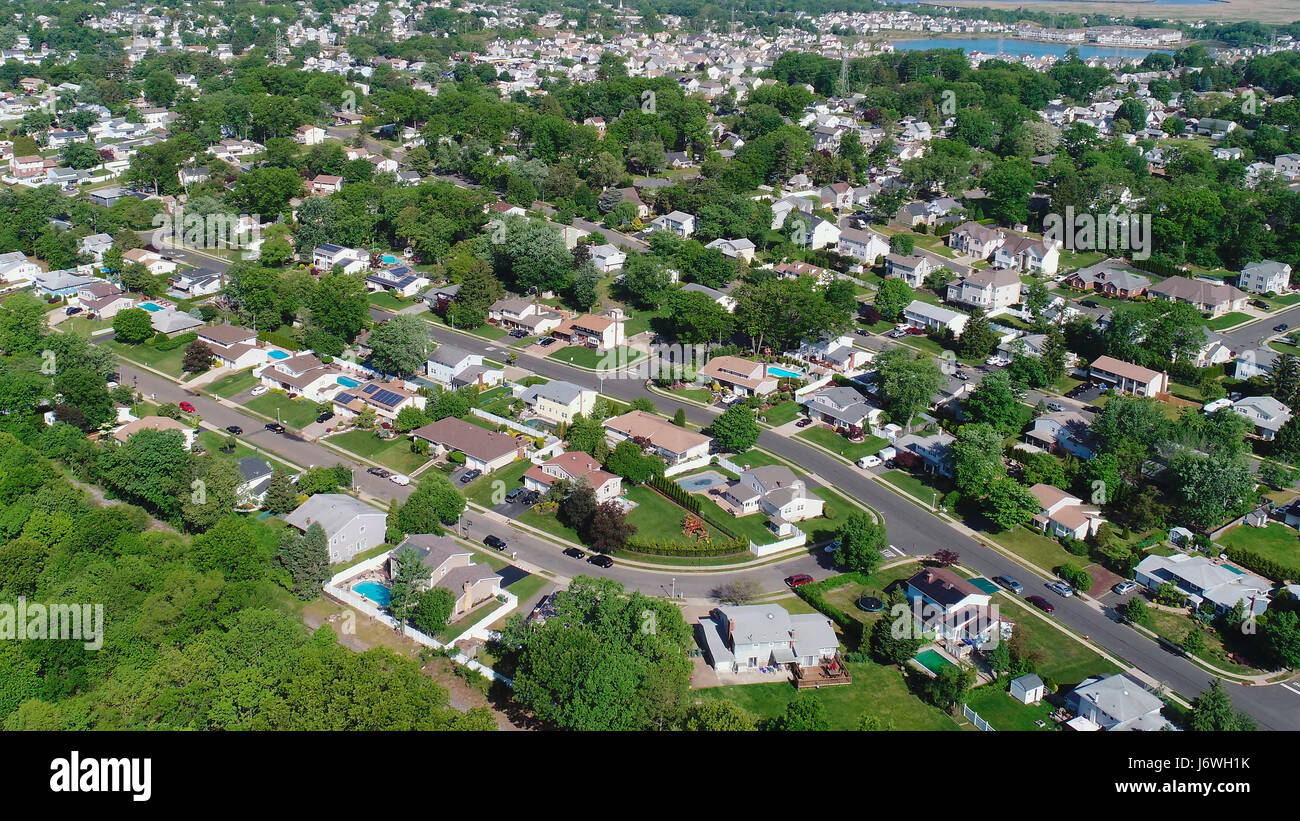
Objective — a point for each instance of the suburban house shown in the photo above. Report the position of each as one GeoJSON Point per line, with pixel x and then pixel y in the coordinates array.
{"type": "Point", "coordinates": [323, 185]}
{"type": "Point", "coordinates": [254, 479]}
{"type": "Point", "coordinates": [843, 408]}
{"type": "Point", "coordinates": [325, 257]}
{"type": "Point", "coordinates": [601, 333]}
{"type": "Point", "coordinates": [1112, 278]}
{"type": "Point", "coordinates": [153, 261]}
{"type": "Point", "coordinates": [607, 258]}
{"type": "Point", "coordinates": [1028, 255]}
{"type": "Point", "coordinates": [451, 567]}
{"type": "Point", "coordinates": [309, 135]}
{"type": "Point", "coordinates": [1254, 362]}
{"type": "Point", "coordinates": [1128, 377]}
{"type": "Point", "coordinates": [386, 399]}
{"type": "Point", "coordinates": [1063, 431]}
{"type": "Point", "coordinates": [306, 375]}
{"type": "Point", "coordinates": [911, 269]}
{"type": "Point", "coordinates": [975, 240]}
{"type": "Point", "coordinates": [15, 266]}
{"type": "Point", "coordinates": [954, 609]}
{"type": "Point", "coordinates": [233, 346]}
{"type": "Point", "coordinates": [794, 270]}
{"type": "Point", "coordinates": [725, 300]}
{"type": "Point", "coordinates": [1210, 298]}
{"type": "Point", "coordinates": [351, 526]}
{"type": "Point", "coordinates": [448, 361]}
{"type": "Point", "coordinates": [1114, 702]}
{"type": "Point", "coordinates": [837, 195]}
{"type": "Point", "coordinates": [837, 353]}
{"type": "Point", "coordinates": [1265, 276]}
{"type": "Point", "coordinates": [739, 375]}
{"type": "Point", "coordinates": [172, 322]}
{"type": "Point", "coordinates": [559, 401]}
{"type": "Point", "coordinates": [659, 435]}
{"type": "Point", "coordinates": [103, 299]}
{"type": "Point", "coordinates": [931, 453]}
{"type": "Point", "coordinates": [161, 423]}
{"type": "Point", "coordinates": [864, 245]}
{"type": "Point", "coordinates": [1061, 514]}
{"type": "Point", "coordinates": [1267, 414]}
{"type": "Point", "coordinates": [743, 638]}
{"type": "Point", "coordinates": [400, 280]}
{"type": "Point", "coordinates": [60, 283]}
{"type": "Point", "coordinates": [571, 467]}
{"type": "Point", "coordinates": [1205, 579]}
{"type": "Point", "coordinates": [524, 314]}
{"type": "Point", "coordinates": [923, 315]}
{"type": "Point", "coordinates": [681, 224]}
{"type": "Point", "coordinates": [993, 289]}
{"type": "Point", "coordinates": [96, 245]}
{"type": "Point", "coordinates": [485, 450]}
{"type": "Point", "coordinates": [197, 281]}
{"type": "Point", "coordinates": [734, 248]}
{"type": "Point", "coordinates": [774, 490]}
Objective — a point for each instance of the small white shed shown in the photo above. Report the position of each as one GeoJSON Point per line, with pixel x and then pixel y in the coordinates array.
{"type": "Point", "coordinates": [1028, 689]}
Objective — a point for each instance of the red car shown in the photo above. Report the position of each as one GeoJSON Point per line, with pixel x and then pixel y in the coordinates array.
{"type": "Point", "coordinates": [1041, 603]}
{"type": "Point", "coordinates": [798, 580]}
{"type": "Point", "coordinates": [187, 407]}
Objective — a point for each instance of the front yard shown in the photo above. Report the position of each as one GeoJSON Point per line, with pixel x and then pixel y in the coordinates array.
{"type": "Point", "coordinates": [169, 362]}
{"type": "Point", "coordinates": [1228, 320]}
{"type": "Point", "coordinates": [232, 384]}
{"type": "Point", "coordinates": [391, 453]}
{"type": "Point", "coordinates": [295, 413]}
{"type": "Point", "coordinates": [583, 357]}
{"type": "Point", "coordinates": [833, 441]}
{"type": "Point", "coordinates": [1059, 657]}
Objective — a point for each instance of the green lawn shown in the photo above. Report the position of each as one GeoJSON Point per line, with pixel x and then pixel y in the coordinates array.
{"type": "Point", "coordinates": [832, 441]}
{"type": "Point", "coordinates": [755, 458]}
{"type": "Point", "coordinates": [1061, 658]}
{"type": "Point", "coordinates": [642, 321]}
{"type": "Point", "coordinates": [391, 453]}
{"type": "Point", "coordinates": [592, 359]}
{"type": "Point", "coordinates": [527, 587]}
{"type": "Point", "coordinates": [1175, 626]}
{"type": "Point", "coordinates": [1227, 320]}
{"type": "Point", "coordinates": [915, 485]}
{"type": "Point", "coordinates": [169, 362]}
{"type": "Point", "coordinates": [657, 518]}
{"type": "Point", "coordinates": [1035, 548]}
{"type": "Point", "coordinates": [846, 595]}
{"type": "Point", "coordinates": [387, 301]}
{"type": "Point", "coordinates": [782, 413]}
{"type": "Point", "coordinates": [702, 395]}
{"type": "Point", "coordinates": [481, 491]}
{"type": "Point", "coordinates": [82, 325]}
{"type": "Point", "coordinates": [490, 332]}
{"type": "Point", "coordinates": [232, 384]}
{"type": "Point", "coordinates": [476, 614]}
{"type": "Point", "coordinates": [213, 441]}
{"type": "Point", "coordinates": [880, 691]}
{"type": "Point", "coordinates": [296, 413]}
{"type": "Point", "coordinates": [996, 706]}
{"type": "Point", "coordinates": [1276, 541]}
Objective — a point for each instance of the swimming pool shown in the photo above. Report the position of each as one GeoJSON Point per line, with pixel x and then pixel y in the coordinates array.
{"type": "Point", "coordinates": [276, 354]}
{"type": "Point", "coordinates": [932, 661]}
{"type": "Point", "coordinates": [700, 482]}
{"type": "Point", "coordinates": [151, 307]}
{"type": "Point", "coordinates": [347, 382]}
{"type": "Point", "coordinates": [773, 370]}
{"type": "Point", "coordinates": [389, 259]}
{"type": "Point", "coordinates": [374, 591]}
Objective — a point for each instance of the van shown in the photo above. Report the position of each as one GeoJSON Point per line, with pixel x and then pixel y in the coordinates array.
{"type": "Point", "coordinates": [1009, 583]}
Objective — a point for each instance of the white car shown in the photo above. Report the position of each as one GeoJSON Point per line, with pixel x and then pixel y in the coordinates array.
{"type": "Point", "coordinates": [400, 479]}
{"type": "Point", "coordinates": [259, 390]}
{"type": "Point", "coordinates": [869, 462]}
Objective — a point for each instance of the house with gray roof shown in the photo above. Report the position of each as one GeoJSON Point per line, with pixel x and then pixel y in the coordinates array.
{"type": "Point", "coordinates": [351, 526]}
{"type": "Point", "coordinates": [1267, 414]}
{"type": "Point", "coordinates": [843, 408]}
{"type": "Point", "coordinates": [1115, 702]}
{"type": "Point", "coordinates": [743, 638]}
{"type": "Point", "coordinates": [1204, 579]}
{"type": "Point", "coordinates": [1265, 276]}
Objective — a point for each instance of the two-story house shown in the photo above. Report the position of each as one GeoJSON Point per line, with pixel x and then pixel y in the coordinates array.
{"type": "Point", "coordinates": [559, 401]}
{"type": "Point", "coordinates": [953, 609]}
{"type": "Point", "coordinates": [993, 289]}
{"type": "Point", "coordinates": [742, 376]}
{"type": "Point", "coordinates": [351, 526]}
{"type": "Point", "coordinates": [451, 567]}
{"type": "Point", "coordinates": [1266, 276]}
{"type": "Point", "coordinates": [678, 222]}
{"type": "Point", "coordinates": [571, 467]}
{"type": "Point", "coordinates": [1061, 514]}
{"type": "Point", "coordinates": [843, 408]}
{"type": "Point", "coordinates": [233, 346]}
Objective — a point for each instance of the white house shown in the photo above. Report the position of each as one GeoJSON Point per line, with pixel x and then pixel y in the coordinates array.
{"type": "Point", "coordinates": [309, 135]}
{"type": "Point", "coordinates": [608, 258]}
{"type": "Point", "coordinates": [1061, 514]}
{"type": "Point", "coordinates": [743, 638]}
{"type": "Point", "coordinates": [1266, 276]}
{"type": "Point", "coordinates": [678, 222]}
{"type": "Point", "coordinates": [324, 257]}
{"type": "Point", "coordinates": [993, 289]}
{"type": "Point", "coordinates": [351, 526]}
{"type": "Point", "coordinates": [1115, 702]}
{"type": "Point", "coordinates": [929, 317]}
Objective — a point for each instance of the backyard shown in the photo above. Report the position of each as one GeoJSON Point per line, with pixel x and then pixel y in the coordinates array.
{"type": "Point", "coordinates": [1058, 656]}
{"type": "Point", "coordinates": [1275, 542]}
{"type": "Point", "coordinates": [391, 453]}
{"type": "Point", "coordinates": [996, 706]}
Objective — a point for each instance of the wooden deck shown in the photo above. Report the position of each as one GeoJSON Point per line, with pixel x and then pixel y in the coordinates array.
{"type": "Point", "coordinates": [822, 675]}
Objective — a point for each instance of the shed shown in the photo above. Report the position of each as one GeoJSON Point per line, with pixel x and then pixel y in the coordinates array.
{"type": "Point", "coordinates": [1028, 689]}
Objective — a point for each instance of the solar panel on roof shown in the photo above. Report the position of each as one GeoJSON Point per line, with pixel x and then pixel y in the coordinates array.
{"type": "Point", "coordinates": [387, 398]}
{"type": "Point", "coordinates": [369, 389]}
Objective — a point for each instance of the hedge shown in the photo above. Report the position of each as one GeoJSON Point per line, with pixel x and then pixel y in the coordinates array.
{"type": "Point", "coordinates": [174, 342]}
{"type": "Point", "coordinates": [280, 339]}
{"type": "Point", "coordinates": [676, 493]}
{"type": "Point", "coordinates": [687, 549]}
{"type": "Point", "coordinates": [1262, 565]}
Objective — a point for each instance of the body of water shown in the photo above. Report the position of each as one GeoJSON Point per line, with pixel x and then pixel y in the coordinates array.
{"type": "Point", "coordinates": [1014, 46]}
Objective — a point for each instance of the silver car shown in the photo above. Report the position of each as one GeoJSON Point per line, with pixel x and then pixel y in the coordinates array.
{"type": "Point", "coordinates": [1061, 589]}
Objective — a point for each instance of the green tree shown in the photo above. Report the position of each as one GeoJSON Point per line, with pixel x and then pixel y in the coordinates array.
{"type": "Point", "coordinates": [433, 609]}
{"type": "Point", "coordinates": [862, 539]}
{"type": "Point", "coordinates": [736, 429]}
{"type": "Point", "coordinates": [280, 495]}
{"type": "Point", "coordinates": [409, 575]}
{"type": "Point", "coordinates": [805, 712]}
{"type": "Point", "coordinates": [996, 402]}
{"type": "Point", "coordinates": [1212, 712]}
{"type": "Point", "coordinates": [907, 382]}
{"type": "Point", "coordinates": [892, 297]}
{"type": "Point", "coordinates": [400, 345]}
{"type": "Point", "coordinates": [718, 716]}
{"type": "Point", "coordinates": [132, 325]}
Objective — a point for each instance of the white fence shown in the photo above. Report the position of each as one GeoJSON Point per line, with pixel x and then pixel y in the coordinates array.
{"type": "Point", "coordinates": [688, 465]}
{"type": "Point", "coordinates": [976, 720]}
{"type": "Point", "coordinates": [728, 465]}
{"type": "Point", "coordinates": [799, 539]}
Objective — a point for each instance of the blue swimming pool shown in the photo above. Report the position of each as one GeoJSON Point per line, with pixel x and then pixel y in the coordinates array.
{"type": "Point", "coordinates": [374, 591]}
{"type": "Point", "coordinates": [389, 259]}
{"type": "Point", "coordinates": [276, 354]}
{"type": "Point", "coordinates": [151, 307]}
{"type": "Point", "coordinates": [701, 481]}
{"type": "Point", "coordinates": [773, 370]}
{"type": "Point", "coordinates": [347, 381]}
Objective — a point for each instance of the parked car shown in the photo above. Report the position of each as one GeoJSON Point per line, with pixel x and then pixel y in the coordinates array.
{"type": "Point", "coordinates": [1041, 603]}
{"type": "Point", "coordinates": [1090, 303]}
{"type": "Point", "coordinates": [71, 311]}
{"type": "Point", "coordinates": [833, 546]}
{"type": "Point", "coordinates": [863, 332]}
{"type": "Point", "coordinates": [1061, 588]}
{"type": "Point", "coordinates": [258, 390]}
{"type": "Point", "coordinates": [1261, 304]}
{"type": "Point", "coordinates": [798, 580]}
{"type": "Point", "coordinates": [325, 416]}
{"type": "Point", "coordinates": [1056, 407]}
{"type": "Point", "coordinates": [187, 407]}
{"type": "Point", "coordinates": [469, 476]}
{"type": "Point", "coordinates": [519, 333]}
{"type": "Point", "coordinates": [1124, 588]}
{"type": "Point", "coordinates": [235, 429]}
{"type": "Point", "coordinates": [495, 542]}
{"type": "Point", "coordinates": [574, 553]}
{"type": "Point", "coordinates": [380, 472]}
{"type": "Point", "coordinates": [962, 375]}
{"type": "Point", "coordinates": [1010, 584]}
{"type": "Point", "coordinates": [1280, 327]}
{"type": "Point", "coordinates": [803, 423]}
{"type": "Point", "coordinates": [516, 494]}
{"type": "Point", "coordinates": [547, 342]}
{"type": "Point", "coordinates": [275, 427]}
{"type": "Point", "coordinates": [601, 560]}
{"type": "Point", "coordinates": [871, 461]}
{"type": "Point", "coordinates": [400, 479]}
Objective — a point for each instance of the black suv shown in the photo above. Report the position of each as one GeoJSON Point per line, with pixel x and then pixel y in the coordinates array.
{"type": "Point", "coordinates": [275, 427]}
{"type": "Point", "coordinates": [495, 542]}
